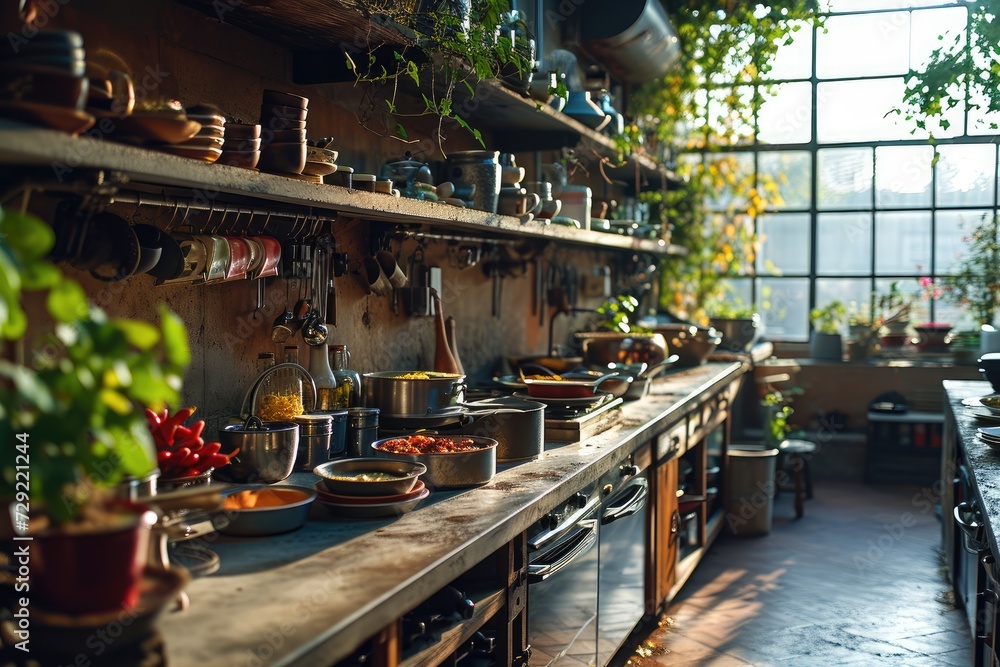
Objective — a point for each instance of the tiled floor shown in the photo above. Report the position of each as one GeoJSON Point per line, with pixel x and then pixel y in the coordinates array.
{"type": "Point", "coordinates": [848, 584]}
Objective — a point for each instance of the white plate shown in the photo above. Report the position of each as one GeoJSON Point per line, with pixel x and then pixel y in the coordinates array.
{"type": "Point", "coordinates": [989, 432]}
{"type": "Point", "coordinates": [983, 413]}
{"type": "Point", "coordinates": [977, 402]}
{"type": "Point", "coordinates": [988, 443]}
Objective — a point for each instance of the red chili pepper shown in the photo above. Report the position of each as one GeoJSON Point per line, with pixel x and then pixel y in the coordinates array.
{"type": "Point", "coordinates": [197, 428]}
{"type": "Point", "coordinates": [152, 419]}
{"type": "Point", "coordinates": [210, 449]}
{"type": "Point", "coordinates": [180, 455]}
{"type": "Point", "coordinates": [163, 456]}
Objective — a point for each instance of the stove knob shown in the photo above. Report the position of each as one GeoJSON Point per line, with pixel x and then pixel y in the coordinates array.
{"type": "Point", "coordinates": [548, 522]}
{"type": "Point", "coordinates": [580, 500]}
{"type": "Point", "coordinates": [629, 470]}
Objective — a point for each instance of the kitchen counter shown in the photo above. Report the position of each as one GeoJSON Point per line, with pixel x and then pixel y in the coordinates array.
{"type": "Point", "coordinates": [312, 596]}
{"type": "Point", "coordinates": [983, 461]}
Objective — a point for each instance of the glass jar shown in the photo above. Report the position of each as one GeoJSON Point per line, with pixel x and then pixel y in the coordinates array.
{"type": "Point", "coordinates": [281, 398]}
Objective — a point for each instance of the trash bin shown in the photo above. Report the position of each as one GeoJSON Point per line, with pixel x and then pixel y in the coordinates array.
{"type": "Point", "coordinates": [750, 497]}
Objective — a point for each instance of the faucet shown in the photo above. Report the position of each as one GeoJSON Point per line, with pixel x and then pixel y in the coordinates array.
{"type": "Point", "coordinates": [567, 311]}
{"type": "Point", "coordinates": [250, 399]}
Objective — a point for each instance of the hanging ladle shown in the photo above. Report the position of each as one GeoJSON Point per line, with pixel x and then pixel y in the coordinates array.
{"type": "Point", "coordinates": [314, 330]}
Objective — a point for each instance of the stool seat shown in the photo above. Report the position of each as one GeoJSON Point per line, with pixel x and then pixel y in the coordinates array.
{"type": "Point", "coordinates": [797, 447]}
{"type": "Point", "coordinates": [797, 454]}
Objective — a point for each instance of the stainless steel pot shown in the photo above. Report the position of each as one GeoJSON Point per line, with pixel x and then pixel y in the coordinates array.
{"type": "Point", "coordinates": [517, 425]}
{"type": "Point", "coordinates": [267, 450]}
{"type": "Point", "coordinates": [396, 396]}
{"type": "Point", "coordinates": [452, 471]}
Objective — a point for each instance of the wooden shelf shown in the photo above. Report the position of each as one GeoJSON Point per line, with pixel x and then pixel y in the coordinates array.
{"type": "Point", "coordinates": [452, 639]}
{"type": "Point", "coordinates": [316, 31]}
{"type": "Point", "coordinates": [56, 156]}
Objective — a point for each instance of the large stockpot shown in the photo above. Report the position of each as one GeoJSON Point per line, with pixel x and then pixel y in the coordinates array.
{"type": "Point", "coordinates": [395, 395]}
{"type": "Point", "coordinates": [452, 471]}
{"type": "Point", "coordinates": [266, 450]}
{"type": "Point", "coordinates": [517, 425]}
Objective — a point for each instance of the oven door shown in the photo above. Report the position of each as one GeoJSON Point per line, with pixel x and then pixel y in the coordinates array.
{"type": "Point", "coordinates": [622, 582]}
{"type": "Point", "coordinates": [562, 588]}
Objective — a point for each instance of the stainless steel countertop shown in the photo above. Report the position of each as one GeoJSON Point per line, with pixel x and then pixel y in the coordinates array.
{"type": "Point", "coordinates": [312, 596]}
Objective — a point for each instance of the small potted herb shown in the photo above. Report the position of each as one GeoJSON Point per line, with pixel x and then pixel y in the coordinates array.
{"type": "Point", "coordinates": [825, 342]}
{"type": "Point", "coordinates": [72, 425]}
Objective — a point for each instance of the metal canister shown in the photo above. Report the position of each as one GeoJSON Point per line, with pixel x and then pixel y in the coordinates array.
{"type": "Point", "coordinates": [362, 431]}
{"type": "Point", "coordinates": [339, 432]}
{"type": "Point", "coordinates": [314, 440]}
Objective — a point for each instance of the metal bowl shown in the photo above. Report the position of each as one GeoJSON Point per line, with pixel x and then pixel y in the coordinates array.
{"type": "Point", "coordinates": [601, 348]}
{"type": "Point", "coordinates": [406, 471]}
{"type": "Point", "coordinates": [690, 343]}
{"type": "Point", "coordinates": [266, 520]}
{"type": "Point", "coordinates": [267, 450]}
{"type": "Point", "coordinates": [452, 471]}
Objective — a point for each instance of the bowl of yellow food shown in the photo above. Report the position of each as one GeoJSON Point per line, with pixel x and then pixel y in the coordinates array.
{"type": "Point", "coordinates": [369, 476]}
{"type": "Point", "coordinates": [264, 510]}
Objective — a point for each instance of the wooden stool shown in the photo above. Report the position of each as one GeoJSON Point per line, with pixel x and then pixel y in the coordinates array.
{"type": "Point", "coordinates": [797, 454]}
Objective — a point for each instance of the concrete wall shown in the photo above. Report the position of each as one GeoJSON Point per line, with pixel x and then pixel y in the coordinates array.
{"type": "Point", "coordinates": [199, 60]}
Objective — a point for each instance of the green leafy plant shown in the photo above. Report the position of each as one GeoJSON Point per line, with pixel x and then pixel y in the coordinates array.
{"type": "Point", "coordinates": [777, 411]}
{"type": "Point", "coordinates": [76, 408]}
{"type": "Point", "coordinates": [829, 318]}
{"type": "Point", "coordinates": [721, 306]}
{"type": "Point", "coordinates": [446, 53]}
{"type": "Point", "coordinates": [975, 282]}
{"type": "Point", "coordinates": [893, 305]}
{"type": "Point", "coordinates": [961, 72]}
{"type": "Point", "coordinates": [617, 314]}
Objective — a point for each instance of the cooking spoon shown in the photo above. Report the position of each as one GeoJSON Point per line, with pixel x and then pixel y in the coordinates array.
{"type": "Point", "coordinates": [314, 331]}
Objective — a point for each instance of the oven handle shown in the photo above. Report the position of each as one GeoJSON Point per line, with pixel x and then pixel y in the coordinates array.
{"type": "Point", "coordinates": [970, 528]}
{"type": "Point", "coordinates": [561, 556]}
{"type": "Point", "coordinates": [549, 536]}
{"type": "Point", "coordinates": [635, 501]}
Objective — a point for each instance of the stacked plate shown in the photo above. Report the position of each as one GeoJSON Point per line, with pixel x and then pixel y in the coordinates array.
{"type": "Point", "coordinates": [158, 124]}
{"type": "Point", "coordinates": [206, 144]}
{"type": "Point", "coordinates": [984, 407]}
{"type": "Point", "coordinates": [369, 488]}
{"type": "Point", "coordinates": [42, 81]}
{"type": "Point", "coordinates": [990, 435]}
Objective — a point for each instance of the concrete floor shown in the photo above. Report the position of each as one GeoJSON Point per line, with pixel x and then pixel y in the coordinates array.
{"type": "Point", "coordinates": [856, 581]}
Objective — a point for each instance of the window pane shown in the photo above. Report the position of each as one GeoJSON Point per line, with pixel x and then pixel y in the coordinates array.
{"type": "Point", "coordinates": [928, 26]}
{"type": "Point", "coordinates": [903, 176]}
{"type": "Point", "coordinates": [723, 121]}
{"type": "Point", "coordinates": [784, 179]}
{"type": "Point", "coordinates": [784, 307]}
{"type": "Point", "coordinates": [966, 175]}
{"type": "Point", "coordinates": [785, 243]}
{"type": "Point", "coordinates": [844, 244]}
{"type": "Point", "coordinates": [863, 45]}
{"type": "Point", "coordinates": [856, 111]}
{"type": "Point", "coordinates": [785, 117]}
{"type": "Point", "coordinates": [738, 291]}
{"type": "Point", "coordinates": [736, 171]}
{"type": "Point", "coordinates": [981, 121]}
{"type": "Point", "coordinates": [951, 230]}
{"type": "Point", "coordinates": [919, 310]}
{"type": "Point", "coordinates": [854, 293]}
{"type": "Point", "coordinates": [844, 178]}
{"type": "Point", "coordinates": [793, 61]}
{"type": "Point", "coordinates": [902, 242]}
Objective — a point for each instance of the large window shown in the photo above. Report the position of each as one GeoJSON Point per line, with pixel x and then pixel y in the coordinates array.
{"type": "Point", "coordinates": [862, 202]}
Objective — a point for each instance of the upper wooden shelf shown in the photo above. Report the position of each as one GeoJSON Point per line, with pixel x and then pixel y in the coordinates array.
{"type": "Point", "coordinates": [317, 30]}
{"type": "Point", "coordinates": [55, 156]}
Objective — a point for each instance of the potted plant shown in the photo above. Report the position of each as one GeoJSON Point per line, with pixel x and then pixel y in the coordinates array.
{"type": "Point", "coordinates": [825, 341]}
{"type": "Point", "coordinates": [739, 323]}
{"type": "Point", "coordinates": [72, 425]}
{"type": "Point", "coordinates": [893, 308]}
{"type": "Point", "coordinates": [975, 281]}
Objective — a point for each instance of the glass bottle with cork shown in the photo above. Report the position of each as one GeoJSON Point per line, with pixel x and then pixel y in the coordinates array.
{"type": "Point", "coordinates": [348, 383]}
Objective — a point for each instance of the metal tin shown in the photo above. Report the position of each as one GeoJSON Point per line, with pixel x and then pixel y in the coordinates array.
{"type": "Point", "coordinates": [362, 431]}
{"type": "Point", "coordinates": [338, 430]}
{"type": "Point", "coordinates": [314, 440]}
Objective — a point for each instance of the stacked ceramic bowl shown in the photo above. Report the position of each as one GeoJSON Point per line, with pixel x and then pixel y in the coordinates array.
{"type": "Point", "coordinates": [206, 145]}
{"type": "Point", "coordinates": [283, 134]}
{"type": "Point", "coordinates": [367, 488]}
{"type": "Point", "coordinates": [42, 80]}
{"type": "Point", "coordinates": [242, 145]}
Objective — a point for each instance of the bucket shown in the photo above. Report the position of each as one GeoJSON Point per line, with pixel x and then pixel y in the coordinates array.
{"type": "Point", "coordinates": [750, 501]}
